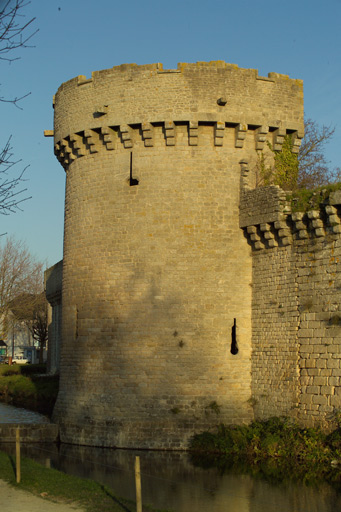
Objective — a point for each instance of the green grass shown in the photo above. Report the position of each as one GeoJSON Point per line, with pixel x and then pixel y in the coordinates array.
{"type": "Point", "coordinates": [27, 386]}
{"type": "Point", "coordinates": [303, 199]}
{"type": "Point", "coordinates": [87, 494]}
{"type": "Point", "coordinates": [277, 444]}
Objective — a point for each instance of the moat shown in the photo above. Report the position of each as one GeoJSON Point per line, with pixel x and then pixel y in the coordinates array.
{"type": "Point", "coordinates": [171, 481]}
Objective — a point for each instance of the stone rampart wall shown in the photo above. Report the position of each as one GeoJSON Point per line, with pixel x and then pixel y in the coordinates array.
{"type": "Point", "coordinates": [296, 312]}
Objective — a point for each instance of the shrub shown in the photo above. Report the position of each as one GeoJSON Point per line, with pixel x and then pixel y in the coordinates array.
{"type": "Point", "coordinates": [276, 438]}
{"type": "Point", "coordinates": [22, 386]}
{"type": "Point", "coordinates": [6, 370]}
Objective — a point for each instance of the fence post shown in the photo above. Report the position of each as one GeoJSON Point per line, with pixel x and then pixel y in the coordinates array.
{"type": "Point", "coordinates": [138, 485]}
{"type": "Point", "coordinates": [17, 453]}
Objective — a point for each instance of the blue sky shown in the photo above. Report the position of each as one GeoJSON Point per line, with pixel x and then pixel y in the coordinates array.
{"type": "Point", "coordinates": [301, 39]}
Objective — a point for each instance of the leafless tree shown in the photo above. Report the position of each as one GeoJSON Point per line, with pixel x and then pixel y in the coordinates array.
{"type": "Point", "coordinates": [314, 169]}
{"type": "Point", "coordinates": [38, 325]}
{"type": "Point", "coordinates": [15, 33]}
{"type": "Point", "coordinates": [30, 309]}
{"type": "Point", "coordinates": [11, 187]}
{"type": "Point", "coordinates": [22, 298]}
{"type": "Point", "coordinates": [20, 273]}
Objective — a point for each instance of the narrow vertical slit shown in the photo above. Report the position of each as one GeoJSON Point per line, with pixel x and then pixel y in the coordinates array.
{"type": "Point", "coordinates": [132, 181]}
{"type": "Point", "coordinates": [234, 345]}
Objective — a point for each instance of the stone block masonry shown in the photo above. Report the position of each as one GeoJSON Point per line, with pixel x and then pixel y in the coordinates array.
{"type": "Point", "coordinates": [29, 433]}
{"type": "Point", "coordinates": [53, 289]}
{"type": "Point", "coordinates": [157, 274]}
{"type": "Point", "coordinates": [296, 311]}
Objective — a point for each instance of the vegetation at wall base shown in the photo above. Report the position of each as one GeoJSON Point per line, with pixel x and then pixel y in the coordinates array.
{"type": "Point", "coordinates": [276, 448]}
{"type": "Point", "coordinates": [27, 386]}
{"type": "Point", "coordinates": [59, 487]}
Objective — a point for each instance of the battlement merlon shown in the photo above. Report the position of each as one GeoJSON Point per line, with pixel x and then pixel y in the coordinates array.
{"type": "Point", "coordinates": [181, 67]}
{"type": "Point", "coordinates": [132, 93]}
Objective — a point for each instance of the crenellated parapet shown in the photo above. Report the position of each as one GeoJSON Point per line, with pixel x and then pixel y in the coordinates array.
{"type": "Point", "coordinates": [129, 105]}
{"type": "Point", "coordinates": [267, 220]}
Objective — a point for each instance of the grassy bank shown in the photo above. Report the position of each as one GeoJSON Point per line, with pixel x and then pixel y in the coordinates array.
{"type": "Point", "coordinates": [276, 445]}
{"type": "Point", "coordinates": [59, 487]}
{"type": "Point", "coordinates": [28, 386]}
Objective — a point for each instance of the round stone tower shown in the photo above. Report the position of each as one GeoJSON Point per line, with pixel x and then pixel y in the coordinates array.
{"type": "Point", "coordinates": [157, 275]}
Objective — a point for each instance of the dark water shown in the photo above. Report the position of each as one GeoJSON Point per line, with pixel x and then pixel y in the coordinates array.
{"type": "Point", "coordinates": [10, 414]}
{"type": "Point", "coordinates": [170, 481]}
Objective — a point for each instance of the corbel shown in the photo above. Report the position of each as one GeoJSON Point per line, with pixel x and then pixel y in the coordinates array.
{"type": "Point", "coordinates": [170, 133]}
{"type": "Point", "coordinates": [219, 132]}
{"type": "Point", "coordinates": [261, 136]}
{"type": "Point", "coordinates": [296, 140]}
{"type": "Point", "coordinates": [109, 136]}
{"type": "Point", "coordinates": [92, 140]}
{"type": "Point", "coordinates": [254, 237]}
{"type": "Point", "coordinates": [78, 144]}
{"type": "Point", "coordinates": [316, 222]}
{"type": "Point", "coordinates": [241, 131]}
{"type": "Point", "coordinates": [126, 136]}
{"type": "Point", "coordinates": [244, 175]}
{"type": "Point", "coordinates": [268, 235]}
{"type": "Point", "coordinates": [278, 138]}
{"type": "Point", "coordinates": [193, 133]}
{"type": "Point", "coordinates": [148, 134]}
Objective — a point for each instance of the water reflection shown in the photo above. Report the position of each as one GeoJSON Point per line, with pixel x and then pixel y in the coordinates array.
{"type": "Point", "coordinates": [11, 414]}
{"type": "Point", "coordinates": [170, 481]}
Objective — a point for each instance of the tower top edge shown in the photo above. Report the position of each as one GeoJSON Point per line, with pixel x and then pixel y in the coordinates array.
{"type": "Point", "coordinates": [182, 68]}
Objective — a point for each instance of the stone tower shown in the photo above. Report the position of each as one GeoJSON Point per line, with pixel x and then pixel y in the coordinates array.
{"type": "Point", "coordinates": [156, 320]}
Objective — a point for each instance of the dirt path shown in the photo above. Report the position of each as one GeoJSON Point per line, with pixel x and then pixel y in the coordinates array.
{"type": "Point", "coordinates": [16, 500]}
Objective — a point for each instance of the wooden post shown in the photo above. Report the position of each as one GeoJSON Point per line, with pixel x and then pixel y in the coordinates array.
{"type": "Point", "coordinates": [17, 452]}
{"type": "Point", "coordinates": [138, 485]}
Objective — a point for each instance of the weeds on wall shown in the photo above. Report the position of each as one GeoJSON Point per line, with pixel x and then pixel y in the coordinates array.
{"type": "Point", "coordinates": [284, 169]}
{"type": "Point", "coordinates": [302, 200]}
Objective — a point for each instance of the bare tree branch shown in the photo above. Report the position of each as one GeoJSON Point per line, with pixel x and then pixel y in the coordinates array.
{"type": "Point", "coordinates": [22, 297]}
{"type": "Point", "coordinates": [314, 169]}
{"type": "Point", "coordinates": [30, 309]}
{"type": "Point", "coordinates": [13, 29]}
{"type": "Point", "coordinates": [15, 100]}
{"type": "Point", "coordinates": [15, 33]}
{"type": "Point", "coordinates": [20, 272]}
{"type": "Point", "coordinates": [11, 188]}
